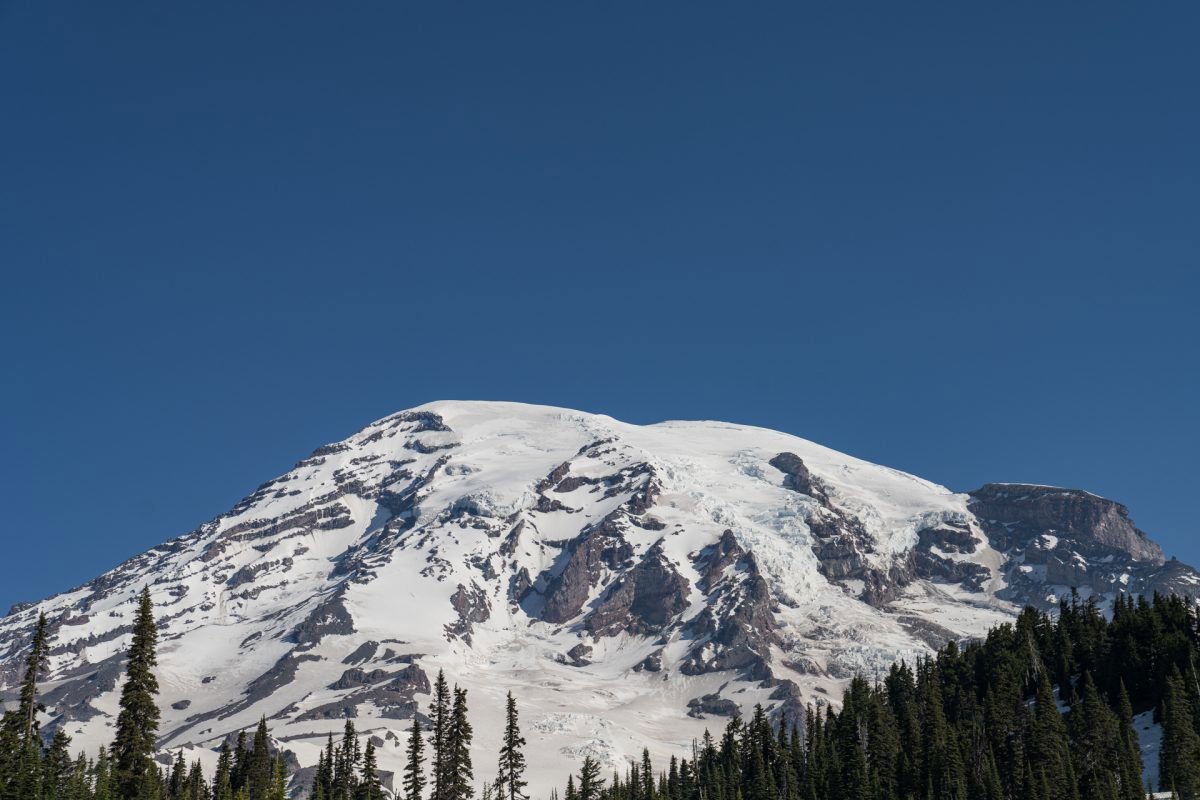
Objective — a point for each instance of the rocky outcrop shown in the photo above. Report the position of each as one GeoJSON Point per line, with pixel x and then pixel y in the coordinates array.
{"type": "Point", "coordinates": [601, 548]}
{"type": "Point", "coordinates": [393, 699]}
{"type": "Point", "coordinates": [1016, 513]}
{"type": "Point", "coordinates": [329, 618]}
{"type": "Point", "coordinates": [713, 562]}
{"type": "Point", "coordinates": [643, 600]}
{"type": "Point", "coordinates": [737, 627]}
{"type": "Point", "coordinates": [841, 543]}
{"type": "Point", "coordinates": [712, 705]}
{"type": "Point", "coordinates": [1058, 539]}
{"type": "Point", "coordinates": [472, 606]}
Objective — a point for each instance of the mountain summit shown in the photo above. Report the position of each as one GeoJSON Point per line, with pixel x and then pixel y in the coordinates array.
{"type": "Point", "coordinates": [627, 583]}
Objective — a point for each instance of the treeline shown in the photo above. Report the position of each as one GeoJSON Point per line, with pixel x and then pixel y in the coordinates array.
{"type": "Point", "coordinates": [1042, 709]}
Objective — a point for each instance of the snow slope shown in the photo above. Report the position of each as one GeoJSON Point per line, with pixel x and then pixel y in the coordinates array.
{"type": "Point", "coordinates": [629, 584]}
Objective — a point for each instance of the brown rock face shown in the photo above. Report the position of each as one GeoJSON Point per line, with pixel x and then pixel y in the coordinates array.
{"type": "Point", "coordinates": [1020, 512]}
{"type": "Point", "coordinates": [603, 546]}
{"type": "Point", "coordinates": [644, 600]}
{"type": "Point", "coordinates": [737, 628]}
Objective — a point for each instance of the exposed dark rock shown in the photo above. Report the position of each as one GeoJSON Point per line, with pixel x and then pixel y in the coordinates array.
{"type": "Point", "coordinates": [393, 699]}
{"type": "Point", "coordinates": [329, 618]}
{"type": "Point", "coordinates": [797, 477]}
{"type": "Point", "coordinates": [713, 560]}
{"type": "Point", "coordinates": [1015, 513]}
{"type": "Point", "coordinates": [509, 545]}
{"type": "Point", "coordinates": [1059, 539]}
{"type": "Point", "coordinates": [651, 663]}
{"type": "Point", "coordinates": [603, 546]}
{"type": "Point", "coordinates": [424, 448]}
{"type": "Point", "coordinates": [932, 634]}
{"type": "Point", "coordinates": [712, 704]}
{"type": "Point", "coordinates": [353, 678]}
{"type": "Point", "coordinates": [643, 600]}
{"type": "Point", "coordinates": [947, 538]}
{"type": "Point", "coordinates": [363, 653]}
{"type": "Point", "coordinates": [281, 674]}
{"type": "Point", "coordinates": [789, 702]}
{"type": "Point", "coordinates": [805, 665]}
{"type": "Point", "coordinates": [250, 572]}
{"type": "Point", "coordinates": [472, 606]}
{"type": "Point", "coordinates": [930, 566]}
{"type": "Point", "coordinates": [180, 705]}
{"type": "Point", "coordinates": [737, 628]}
{"type": "Point", "coordinates": [330, 449]}
{"type": "Point", "coordinates": [577, 656]}
{"type": "Point", "coordinates": [79, 687]}
{"type": "Point", "coordinates": [842, 542]}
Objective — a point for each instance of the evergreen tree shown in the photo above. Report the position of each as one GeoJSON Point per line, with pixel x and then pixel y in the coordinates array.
{"type": "Point", "coordinates": [136, 776]}
{"type": "Point", "coordinates": [57, 767]}
{"type": "Point", "coordinates": [196, 787]}
{"type": "Point", "coordinates": [278, 786]}
{"type": "Point", "coordinates": [414, 776]}
{"type": "Point", "coordinates": [510, 783]}
{"type": "Point", "coordinates": [439, 715]}
{"type": "Point", "coordinates": [241, 764]}
{"type": "Point", "coordinates": [459, 774]}
{"type": "Point", "coordinates": [647, 775]}
{"type": "Point", "coordinates": [345, 765]}
{"type": "Point", "coordinates": [1131, 749]}
{"type": "Point", "coordinates": [1096, 749]}
{"type": "Point", "coordinates": [102, 788]}
{"type": "Point", "coordinates": [222, 788]}
{"type": "Point", "coordinates": [1179, 756]}
{"type": "Point", "coordinates": [369, 785]}
{"type": "Point", "coordinates": [590, 782]}
{"type": "Point", "coordinates": [178, 776]}
{"type": "Point", "coordinates": [260, 771]}
{"type": "Point", "coordinates": [36, 663]}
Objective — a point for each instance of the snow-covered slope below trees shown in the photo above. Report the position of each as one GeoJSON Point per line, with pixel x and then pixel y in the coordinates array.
{"type": "Point", "coordinates": [630, 584]}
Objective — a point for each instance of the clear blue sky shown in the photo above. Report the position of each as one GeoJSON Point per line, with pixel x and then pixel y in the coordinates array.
{"type": "Point", "coordinates": [961, 239]}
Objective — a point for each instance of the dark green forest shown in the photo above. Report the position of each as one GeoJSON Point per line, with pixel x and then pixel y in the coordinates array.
{"type": "Point", "coordinates": [1041, 709]}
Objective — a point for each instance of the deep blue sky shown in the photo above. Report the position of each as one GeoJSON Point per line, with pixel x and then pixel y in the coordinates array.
{"type": "Point", "coordinates": [958, 239]}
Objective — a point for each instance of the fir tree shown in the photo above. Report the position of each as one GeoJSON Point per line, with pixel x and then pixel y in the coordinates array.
{"type": "Point", "coordinates": [222, 788]}
{"type": "Point", "coordinates": [260, 768]}
{"type": "Point", "coordinates": [590, 782]}
{"type": "Point", "coordinates": [1131, 750]}
{"type": "Point", "coordinates": [345, 765]}
{"type": "Point", "coordinates": [57, 767]}
{"type": "Point", "coordinates": [439, 714]}
{"type": "Point", "coordinates": [102, 788]}
{"type": "Point", "coordinates": [414, 776]}
{"type": "Point", "coordinates": [369, 785]}
{"type": "Point", "coordinates": [178, 776]}
{"type": "Point", "coordinates": [459, 774]}
{"type": "Point", "coordinates": [510, 783]}
{"type": "Point", "coordinates": [647, 775]}
{"type": "Point", "coordinates": [136, 776]}
{"type": "Point", "coordinates": [36, 663]}
{"type": "Point", "coordinates": [1179, 757]}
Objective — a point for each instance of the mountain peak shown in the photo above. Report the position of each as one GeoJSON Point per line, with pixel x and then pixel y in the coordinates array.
{"type": "Point", "coordinates": [622, 580]}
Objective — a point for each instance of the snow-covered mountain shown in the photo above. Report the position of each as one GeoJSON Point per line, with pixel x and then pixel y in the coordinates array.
{"type": "Point", "coordinates": [630, 584]}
